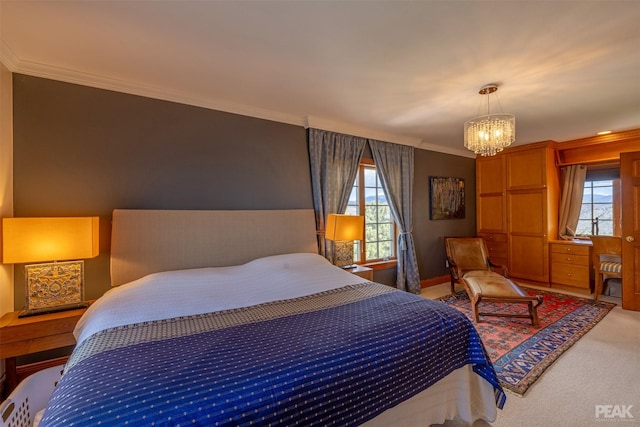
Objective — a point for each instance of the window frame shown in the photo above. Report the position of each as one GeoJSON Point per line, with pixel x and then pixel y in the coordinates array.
{"type": "Point", "coordinates": [380, 263]}
{"type": "Point", "coordinates": [616, 203]}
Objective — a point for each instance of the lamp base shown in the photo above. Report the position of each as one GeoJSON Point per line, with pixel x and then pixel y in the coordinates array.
{"type": "Point", "coordinates": [55, 284]}
{"type": "Point", "coordinates": [343, 253]}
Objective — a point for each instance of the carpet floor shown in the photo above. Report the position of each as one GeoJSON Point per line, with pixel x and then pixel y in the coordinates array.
{"type": "Point", "coordinates": [520, 352]}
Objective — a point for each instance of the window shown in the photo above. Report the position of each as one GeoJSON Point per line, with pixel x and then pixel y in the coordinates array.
{"type": "Point", "coordinates": [600, 213]}
{"type": "Point", "coordinates": [368, 199]}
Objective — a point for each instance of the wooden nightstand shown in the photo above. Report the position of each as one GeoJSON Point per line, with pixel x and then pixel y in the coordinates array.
{"type": "Point", "coordinates": [26, 335]}
{"type": "Point", "coordinates": [362, 271]}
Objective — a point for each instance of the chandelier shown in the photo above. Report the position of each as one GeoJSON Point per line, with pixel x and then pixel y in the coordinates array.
{"type": "Point", "coordinates": [489, 134]}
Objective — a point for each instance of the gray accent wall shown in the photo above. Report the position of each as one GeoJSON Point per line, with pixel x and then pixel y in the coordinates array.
{"type": "Point", "coordinates": [429, 234]}
{"type": "Point", "coordinates": [81, 151]}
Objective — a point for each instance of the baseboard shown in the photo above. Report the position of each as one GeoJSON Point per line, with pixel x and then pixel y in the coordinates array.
{"type": "Point", "coordinates": [435, 281]}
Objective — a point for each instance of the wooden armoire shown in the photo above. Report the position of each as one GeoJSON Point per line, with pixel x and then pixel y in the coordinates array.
{"type": "Point", "coordinates": [517, 197]}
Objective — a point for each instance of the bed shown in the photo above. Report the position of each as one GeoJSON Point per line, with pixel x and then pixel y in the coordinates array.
{"type": "Point", "coordinates": [232, 318]}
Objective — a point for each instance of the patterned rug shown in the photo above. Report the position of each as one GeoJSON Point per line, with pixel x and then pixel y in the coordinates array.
{"type": "Point", "coordinates": [521, 353]}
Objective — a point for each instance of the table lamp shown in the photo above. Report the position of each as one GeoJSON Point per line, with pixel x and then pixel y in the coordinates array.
{"type": "Point", "coordinates": [54, 285]}
{"type": "Point", "coordinates": [343, 230]}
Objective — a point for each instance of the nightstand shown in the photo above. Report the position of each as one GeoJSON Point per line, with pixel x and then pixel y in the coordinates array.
{"type": "Point", "coordinates": [362, 271]}
{"type": "Point", "coordinates": [26, 335]}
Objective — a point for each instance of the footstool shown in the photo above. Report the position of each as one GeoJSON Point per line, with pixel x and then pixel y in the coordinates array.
{"type": "Point", "coordinates": [488, 286]}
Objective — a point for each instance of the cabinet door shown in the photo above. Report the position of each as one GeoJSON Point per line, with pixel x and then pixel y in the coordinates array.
{"type": "Point", "coordinates": [529, 258]}
{"type": "Point", "coordinates": [490, 175]}
{"type": "Point", "coordinates": [491, 201]}
{"type": "Point", "coordinates": [490, 214]}
{"type": "Point", "coordinates": [528, 251]}
{"type": "Point", "coordinates": [527, 169]}
{"type": "Point", "coordinates": [526, 211]}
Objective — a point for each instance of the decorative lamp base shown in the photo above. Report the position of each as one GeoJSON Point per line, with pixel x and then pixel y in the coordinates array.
{"type": "Point", "coordinates": [54, 285]}
{"type": "Point", "coordinates": [343, 253]}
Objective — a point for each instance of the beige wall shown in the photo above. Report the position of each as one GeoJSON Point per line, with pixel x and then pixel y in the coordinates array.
{"type": "Point", "coordinates": [6, 179]}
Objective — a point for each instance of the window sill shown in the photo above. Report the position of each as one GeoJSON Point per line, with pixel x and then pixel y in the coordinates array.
{"type": "Point", "coordinates": [381, 265]}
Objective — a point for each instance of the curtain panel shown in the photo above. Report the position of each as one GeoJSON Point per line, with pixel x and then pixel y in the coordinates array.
{"type": "Point", "coordinates": [394, 164]}
{"type": "Point", "coordinates": [572, 180]}
{"type": "Point", "coordinates": [334, 159]}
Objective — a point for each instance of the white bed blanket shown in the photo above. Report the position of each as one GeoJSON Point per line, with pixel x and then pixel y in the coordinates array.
{"type": "Point", "coordinates": [185, 292]}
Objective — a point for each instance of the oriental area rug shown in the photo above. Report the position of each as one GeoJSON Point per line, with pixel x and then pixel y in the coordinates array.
{"type": "Point", "coordinates": [521, 353]}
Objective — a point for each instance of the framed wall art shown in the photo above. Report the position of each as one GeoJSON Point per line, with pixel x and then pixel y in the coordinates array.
{"type": "Point", "coordinates": [446, 200]}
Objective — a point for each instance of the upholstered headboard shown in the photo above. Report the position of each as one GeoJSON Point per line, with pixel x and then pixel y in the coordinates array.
{"type": "Point", "coordinates": [149, 241]}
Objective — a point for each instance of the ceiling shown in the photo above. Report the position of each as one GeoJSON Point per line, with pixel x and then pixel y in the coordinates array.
{"type": "Point", "coordinates": [401, 71]}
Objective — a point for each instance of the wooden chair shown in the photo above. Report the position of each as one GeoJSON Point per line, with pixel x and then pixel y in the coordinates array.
{"type": "Point", "coordinates": [607, 260]}
{"type": "Point", "coordinates": [469, 264]}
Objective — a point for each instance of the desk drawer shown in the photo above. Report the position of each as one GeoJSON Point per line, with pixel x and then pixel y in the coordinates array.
{"type": "Point", "coordinates": [569, 258]}
{"type": "Point", "coordinates": [570, 275]}
{"type": "Point", "coordinates": [560, 248]}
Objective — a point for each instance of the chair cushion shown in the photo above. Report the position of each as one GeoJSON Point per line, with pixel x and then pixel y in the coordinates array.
{"type": "Point", "coordinates": [611, 267]}
{"type": "Point", "coordinates": [492, 285]}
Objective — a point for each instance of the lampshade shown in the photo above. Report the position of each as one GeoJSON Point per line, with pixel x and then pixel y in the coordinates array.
{"type": "Point", "coordinates": [489, 134]}
{"type": "Point", "coordinates": [344, 227]}
{"type": "Point", "coordinates": [26, 240]}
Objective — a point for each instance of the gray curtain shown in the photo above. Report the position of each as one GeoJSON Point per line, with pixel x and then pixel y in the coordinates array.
{"type": "Point", "coordinates": [394, 164]}
{"type": "Point", "coordinates": [572, 181]}
{"type": "Point", "coordinates": [335, 159]}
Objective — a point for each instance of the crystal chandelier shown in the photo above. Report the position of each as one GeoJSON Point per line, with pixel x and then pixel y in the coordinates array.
{"type": "Point", "coordinates": [489, 134]}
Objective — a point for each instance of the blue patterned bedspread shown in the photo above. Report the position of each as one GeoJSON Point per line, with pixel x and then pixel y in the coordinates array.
{"type": "Point", "coordinates": [339, 357]}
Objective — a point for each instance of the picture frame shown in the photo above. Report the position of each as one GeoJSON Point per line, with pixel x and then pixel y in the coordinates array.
{"type": "Point", "coordinates": [447, 199]}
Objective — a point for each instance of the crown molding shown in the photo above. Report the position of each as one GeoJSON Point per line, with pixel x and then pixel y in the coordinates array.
{"type": "Point", "coordinates": [35, 69]}
{"type": "Point", "coordinates": [461, 152]}
{"type": "Point", "coordinates": [7, 57]}
{"type": "Point", "coordinates": [348, 129]}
